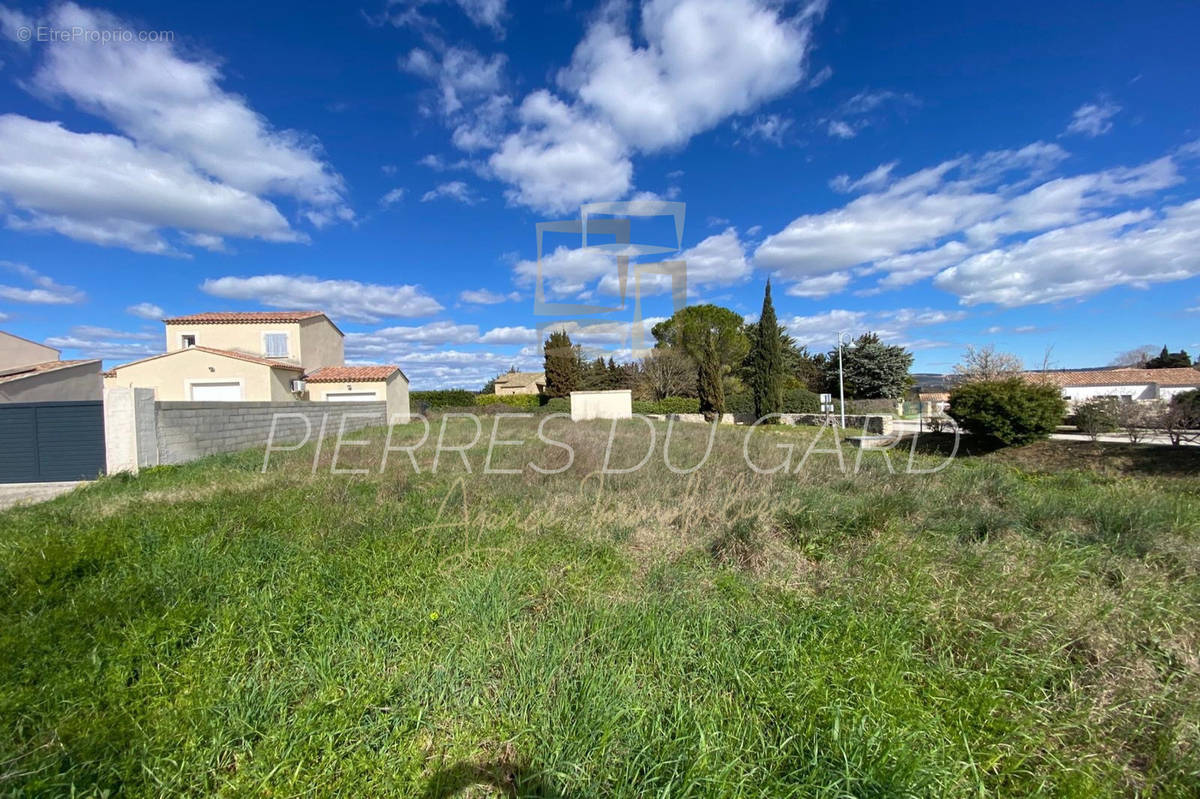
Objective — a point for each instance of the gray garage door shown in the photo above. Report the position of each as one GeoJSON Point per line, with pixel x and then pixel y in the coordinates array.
{"type": "Point", "coordinates": [44, 442]}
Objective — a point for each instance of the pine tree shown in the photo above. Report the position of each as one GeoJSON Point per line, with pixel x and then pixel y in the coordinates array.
{"type": "Point", "coordinates": [712, 392]}
{"type": "Point", "coordinates": [766, 359]}
{"type": "Point", "coordinates": [562, 364]}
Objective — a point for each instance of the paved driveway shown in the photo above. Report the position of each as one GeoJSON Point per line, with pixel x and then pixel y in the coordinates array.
{"type": "Point", "coordinates": [29, 493]}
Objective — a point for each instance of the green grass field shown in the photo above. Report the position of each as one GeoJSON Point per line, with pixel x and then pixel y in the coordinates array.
{"type": "Point", "coordinates": [993, 629]}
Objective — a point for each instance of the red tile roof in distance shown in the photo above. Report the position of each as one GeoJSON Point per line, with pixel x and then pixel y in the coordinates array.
{"type": "Point", "coordinates": [247, 317]}
{"type": "Point", "coordinates": [1175, 376]}
{"type": "Point", "coordinates": [352, 374]}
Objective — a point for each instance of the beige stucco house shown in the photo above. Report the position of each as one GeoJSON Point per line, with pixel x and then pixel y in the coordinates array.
{"type": "Point", "coordinates": [205, 374]}
{"type": "Point", "coordinates": [521, 383]}
{"type": "Point", "coordinates": [32, 372]}
{"type": "Point", "coordinates": [259, 356]}
{"type": "Point", "coordinates": [254, 356]}
{"type": "Point", "coordinates": [359, 384]}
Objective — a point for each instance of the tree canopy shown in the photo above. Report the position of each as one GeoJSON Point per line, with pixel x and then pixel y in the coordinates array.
{"type": "Point", "coordinates": [766, 360]}
{"type": "Point", "coordinates": [873, 370]}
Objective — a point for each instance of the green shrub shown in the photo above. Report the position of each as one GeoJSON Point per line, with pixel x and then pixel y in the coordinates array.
{"type": "Point", "coordinates": [668, 405]}
{"type": "Point", "coordinates": [556, 405]}
{"type": "Point", "coordinates": [1012, 411]}
{"type": "Point", "coordinates": [447, 398]}
{"type": "Point", "coordinates": [525, 402]}
{"type": "Point", "coordinates": [801, 400]}
{"type": "Point", "coordinates": [1187, 406]}
{"type": "Point", "coordinates": [1097, 416]}
{"type": "Point", "coordinates": [740, 403]}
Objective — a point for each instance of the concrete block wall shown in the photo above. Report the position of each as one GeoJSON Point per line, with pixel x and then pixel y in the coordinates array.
{"type": "Point", "coordinates": [190, 430]}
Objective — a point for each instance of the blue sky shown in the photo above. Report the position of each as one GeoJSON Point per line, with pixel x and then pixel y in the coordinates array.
{"type": "Point", "coordinates": [945, 173]}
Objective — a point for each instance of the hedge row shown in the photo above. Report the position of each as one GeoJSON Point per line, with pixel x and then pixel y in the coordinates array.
{"type": "Point", "coordinates": [667, 405]}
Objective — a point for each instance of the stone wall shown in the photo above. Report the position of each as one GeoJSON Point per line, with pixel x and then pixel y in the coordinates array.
{"type": "Point", "coordinates": [190, 430]}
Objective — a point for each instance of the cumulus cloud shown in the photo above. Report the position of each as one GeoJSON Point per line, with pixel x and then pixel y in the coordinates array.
{"type": "Point", "coordinates": [342, 299]}
{"type": "Point", "coordinates": [146, 310]}
{"type": "Point", "coordinates": [1093, 119]}
{"type": "Point", "coordinates": [770, 128]}
{"type": "Point", "coordinates": [38, 288]}
{"type": "Point", "coordinates": [690, 65]}
{"type": "Point", "coordinates": [190, 156]}
{"type": "Point", "coordinates": [966, 219]}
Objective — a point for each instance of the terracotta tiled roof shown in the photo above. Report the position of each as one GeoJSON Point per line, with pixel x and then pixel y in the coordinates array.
{"type": "Point", "coordinates": [352, 374]}
{"type": "Point", "coordinates": [241, 356]}
{"type": "Point", "coordinates": [18, 373]}
{"type": "Point", "coordinates": [242, 317]}
{"type": "Point", "coordinates": [1178, 376]}
{"type": "Point", "coordinates": [520, 378]}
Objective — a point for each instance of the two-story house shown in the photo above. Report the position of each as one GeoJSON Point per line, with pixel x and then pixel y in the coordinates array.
{"type": "Point", "coordinates": [247, 356]}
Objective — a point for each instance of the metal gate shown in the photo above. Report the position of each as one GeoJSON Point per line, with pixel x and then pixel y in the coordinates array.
{"type": "Point", "coordinates": [44, 442]}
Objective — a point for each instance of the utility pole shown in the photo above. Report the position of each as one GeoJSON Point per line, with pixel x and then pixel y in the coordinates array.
{"type": "Point", "coordinates": [841, 381]}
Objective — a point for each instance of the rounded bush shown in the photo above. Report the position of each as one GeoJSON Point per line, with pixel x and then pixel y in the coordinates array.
{"type": "Point", "coordinates": [667, 405]}
{"type": "Point", "coordinates": [1013, 411]}
{"type": "Point", "coordinates": [1187, 405]}
{"type": "Point", "coordinates": [1097, 416]}
{"type": "Point", "coordinates": [448, 398]}
{"type": "Point", "coordinates": [801, 400]}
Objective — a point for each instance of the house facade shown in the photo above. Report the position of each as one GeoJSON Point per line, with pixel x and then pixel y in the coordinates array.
{"type": "Point", "coordinates": [358, 384]}
{"type": "Point", "coordinates": [308, 339]}
{"type": "Point", "coordinates": [1128, 384]}
{"type": "Point", "coordinates": [32, 372]}
{"type": "Point", "coordinates": [521, 383]}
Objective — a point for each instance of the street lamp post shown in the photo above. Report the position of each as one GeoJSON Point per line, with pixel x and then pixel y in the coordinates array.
{"type": "Point", "coordinates": [841, 381]}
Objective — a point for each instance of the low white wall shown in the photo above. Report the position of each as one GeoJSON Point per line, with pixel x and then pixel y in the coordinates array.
{"type": "Point", "coordinates": [601, 405]}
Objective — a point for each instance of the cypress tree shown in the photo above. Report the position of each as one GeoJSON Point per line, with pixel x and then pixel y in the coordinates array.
{"type": "Point", "coordinates": [712, 392]}
{"type": "Point", "coordinates": [767, 374]}
{"type": "Point", "coordinates": [562, 364]}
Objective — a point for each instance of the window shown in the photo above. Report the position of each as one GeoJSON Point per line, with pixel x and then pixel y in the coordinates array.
{"type": "Point", "coordinates": [276, 344]}
{"type": "Point", "coordinates": [189, 340]}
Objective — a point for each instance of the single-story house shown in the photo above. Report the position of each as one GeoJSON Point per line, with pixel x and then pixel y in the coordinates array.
{"type": "Point", "coordinates": [521, 383]}
{"type": "Point", "coordinates": [202, 374]}
{"type": "Point", "coordinates": [1127, 384]}
{"type": "Point", "coordinates": [358, 384]}
{"type": "Point", "coordinates": [32, 372]}
{"type": "Point", "coordinates": [934, 401]}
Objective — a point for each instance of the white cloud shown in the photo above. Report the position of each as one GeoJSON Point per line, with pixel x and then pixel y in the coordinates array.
{"type": "Point", "coordinates": [454, 190]}
{"type": "Point", "coordinates": [146, 310]}
{"type": "Point", "coordinates": [767, 127]}
{"type": "Point", "coordinates": [486, 297]}
{"type": "Point", "coordinates": [510, 335]}
{"type": "Point", "coordinates": [107, 190]}
{"type": "Point", "coordinates": [388, 339]}
{"type": "Point", "coordinates": [1093, 119]}
{"type": "Point", "coordinates": [194, 157]}
{"type": "Point", "coordinates": [1134, 248]}
{"type": "Point", "coordinates": [348, 299]}
{"type": "Point", "coordinates": [566, 271]}
{"type": "Point", "coordinates": [41, 290]}
{"type": "Point", "coordinates": [102, 342]}
{"type": "Point", "coordinates": [560, 158]}
{"type": "Point", "coordinates": [11, 23]}
{"type": "Point", "coordinates": [820, 286]}
{"type": "Point", "coordinates": [461, 74]}
{"type": "Point", "coordinates": [695, 63]}
{"type": "Point", "coordinates": [484, 13]}
{"type": "Point", "coordinates": [702, 61]}
{"type": "Point", "coordinates": [820, 331]}
{"type": "Point", "coordinates": [841, 130]}
{"type": "Point", "coordinates": [392, 197]}
{"type": "Point", "coordinates": [913, 227]}
{"type": "Point", "coordinates": [859, 112]}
